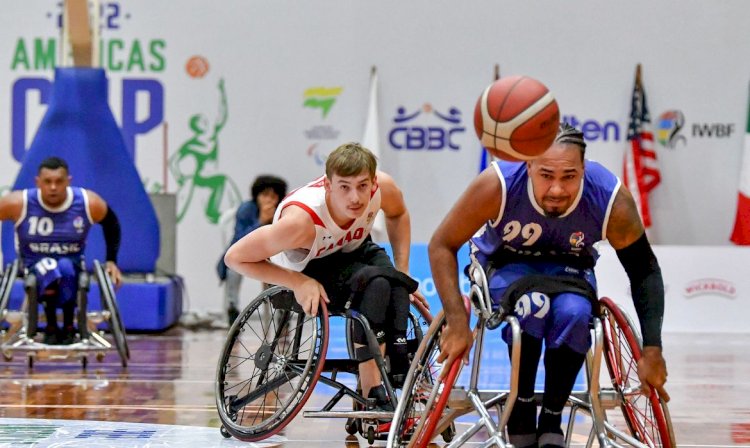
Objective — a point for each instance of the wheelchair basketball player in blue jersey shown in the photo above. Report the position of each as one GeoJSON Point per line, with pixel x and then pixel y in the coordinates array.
{"type": "Point", "coordinates": [52, 222]}
{"type": "Point", "coordinates": [532, 226]}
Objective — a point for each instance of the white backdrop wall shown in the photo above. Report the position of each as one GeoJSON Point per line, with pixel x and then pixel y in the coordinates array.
{"type": "Point", "coordinates": [296, 81]}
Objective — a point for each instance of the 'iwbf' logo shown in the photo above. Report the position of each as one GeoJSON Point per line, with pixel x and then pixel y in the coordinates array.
{"type": "Point", "coordinates": [576, 239]}
{"type": "Point", "coordinates": [668, 129]}
{"type": "Point", "coordinates": [672, 125]}
{"type": "Point", "coordinates": [410, 131]}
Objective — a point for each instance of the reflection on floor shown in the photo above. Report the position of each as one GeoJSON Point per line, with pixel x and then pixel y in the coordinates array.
{"type": "Point", "coordinates": [170, 381]}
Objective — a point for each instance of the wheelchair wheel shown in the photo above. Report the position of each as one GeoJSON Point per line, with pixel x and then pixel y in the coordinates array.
{"type": "Point", "coordinates": [6, 284]}
{"type": "Point", "coordinates": [269, 365]}
{"type": "Point", "coordinates": [424, 396]}
{"type": "Point", "coordinates": [107, 296]}
{"type": "Point", "coordinates": [646, 417]}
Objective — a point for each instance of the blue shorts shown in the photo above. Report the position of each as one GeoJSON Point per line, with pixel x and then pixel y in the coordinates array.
{"type": "Point", "coordinates": [562, 321]}
{"type": "Point", "coordinates": [59, 274]}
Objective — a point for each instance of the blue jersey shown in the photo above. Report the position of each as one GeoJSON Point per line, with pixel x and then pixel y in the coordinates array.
{"type": "Point", "coordinates": [522, 232]}
{"type": "Point", "coordinates": [45, 232]}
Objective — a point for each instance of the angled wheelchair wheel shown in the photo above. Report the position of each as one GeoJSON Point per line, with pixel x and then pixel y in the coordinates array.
{"type": "Point", "coordinates": [270, 363]}
{"type": "Point", "coordinates": [6, 284]}
{"type": "Point", "coordinates": [424, 396]}
{"type": "Point", "coordinates": [107, 296]}
{"type": "Point", "coordinates": [647, 417]}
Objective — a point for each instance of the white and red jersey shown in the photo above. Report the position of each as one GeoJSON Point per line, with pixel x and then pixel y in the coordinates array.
{"type": "Point", "coordinates": [329, 237]}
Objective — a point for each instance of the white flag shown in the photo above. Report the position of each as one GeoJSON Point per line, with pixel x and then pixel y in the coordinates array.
{"type": "Point", "coordinates": [371, 141]}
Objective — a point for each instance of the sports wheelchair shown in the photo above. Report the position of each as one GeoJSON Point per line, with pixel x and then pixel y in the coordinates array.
{"type": "Point", "coordinates": [275, 354]}
{"type": "Point", "coordinates": [19, 327]}
{"type": "Point", "coordinates": [429, 404]}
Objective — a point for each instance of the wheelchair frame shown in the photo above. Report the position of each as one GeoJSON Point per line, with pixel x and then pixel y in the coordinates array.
{"type": "Point", "coordinates": [296, 376]}
{"type": "Point", "coordinates": [614, 338]}
{"type": "Point", "coordinates": [19, 337]}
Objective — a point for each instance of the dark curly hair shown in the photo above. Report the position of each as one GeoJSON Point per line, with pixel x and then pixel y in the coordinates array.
{"type": "Point", "coordinates": [266, 181]}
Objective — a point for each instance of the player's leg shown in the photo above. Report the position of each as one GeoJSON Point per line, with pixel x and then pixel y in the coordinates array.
{"type": "Point", "coordinates": [232, 286]}
{"type": "Point", "coordinates": [48, 299]}
{"type": "Point", "coordinates": [372, 302]}
{"type": "Point", "coordinates": [397, 320]}
{"type": "Point", "coordinates": [568, 339]}
{"type": "Point", "coordinates": [522, 422]}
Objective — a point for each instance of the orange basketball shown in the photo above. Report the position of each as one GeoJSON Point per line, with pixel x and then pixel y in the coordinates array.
{"type": "Point", "coordinates": [516, 118]}
{"type": "Point", "coordinates": [196, 67]}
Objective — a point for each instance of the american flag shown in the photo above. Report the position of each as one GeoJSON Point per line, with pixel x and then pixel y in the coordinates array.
{"type": "Point", "coordinates": [641, 173]}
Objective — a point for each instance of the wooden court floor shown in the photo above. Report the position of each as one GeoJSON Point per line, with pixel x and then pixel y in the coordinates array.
{"type": "Point", "coordinates": [170, 380]}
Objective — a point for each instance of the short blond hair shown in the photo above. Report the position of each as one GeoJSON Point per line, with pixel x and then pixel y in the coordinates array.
{"type": "Point", "coordinates": [351, 159]}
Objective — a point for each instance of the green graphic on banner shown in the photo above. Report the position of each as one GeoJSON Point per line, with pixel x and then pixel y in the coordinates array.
{"type": "Point", "coordinates": [188, 166]}
{"type": "Point", "coordinates": [322, 98]}
{"type": "Point", "coordinates": [20, 435]}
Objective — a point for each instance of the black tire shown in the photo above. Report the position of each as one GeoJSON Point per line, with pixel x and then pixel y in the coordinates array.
{"type": "Point", "coordinates": [108, 302]}
{"type": "Point", "coordinates": [6, 284]}
{"type": "Point", "coordinates": [646, 417]}
{"type": "Point", "coordinates": [277, 359]}
{"type": "Point", "coordinates": [224, 432]}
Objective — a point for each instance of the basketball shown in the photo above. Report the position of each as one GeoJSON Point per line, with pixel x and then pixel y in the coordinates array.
{"type": "Point", "coordinates": [196, 67]}
{"type": "Point", "coordinates": [516, 118]}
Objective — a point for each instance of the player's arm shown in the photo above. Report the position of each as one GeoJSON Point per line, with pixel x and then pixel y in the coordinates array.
{"type": "Point", "coordinates": [103, 215]}
{"type": "Point", "coordinates": [627, 236]}
{"type": "Point", "coordinates": [477, 205]}
{"type": "Point", "coordinates": [397, 220]}
{"type": "Point", "coordinates": [11, 206]}
{"type": "Point", "coordinates": [249, 256]}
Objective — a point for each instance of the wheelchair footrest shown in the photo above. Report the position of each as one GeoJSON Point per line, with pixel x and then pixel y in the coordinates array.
{"type": "Point", "coordinates": [366, 415]}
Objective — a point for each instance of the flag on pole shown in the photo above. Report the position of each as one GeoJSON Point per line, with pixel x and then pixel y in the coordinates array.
{"type": "Point", "coordinates": [640, 171]}
{"type": "Point", "coordinates": [371, 141]}
{"type": "Point", "coordinates": [741, 232]}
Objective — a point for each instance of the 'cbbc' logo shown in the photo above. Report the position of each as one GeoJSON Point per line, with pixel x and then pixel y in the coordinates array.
{"type": "Point", "coordinates": [411, 134]}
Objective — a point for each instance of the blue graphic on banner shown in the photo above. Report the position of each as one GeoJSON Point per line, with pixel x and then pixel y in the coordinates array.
{"type": "Point", "coordinates": [417, 136]}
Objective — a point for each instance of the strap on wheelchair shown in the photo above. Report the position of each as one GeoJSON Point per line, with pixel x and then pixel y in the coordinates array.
{"type": "Point", "coordinates": [362, 354]}
{"type": "Point", "coordinates": [551, 285]}
{"type": "Point", "coordinates": [360, 279]}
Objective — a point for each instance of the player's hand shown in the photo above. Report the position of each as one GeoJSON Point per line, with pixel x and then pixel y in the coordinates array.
{"type": "Point", "coordinates": [455, 342]}
{"type": "Point", "coordinates": [114, 273]}
{"type": "Point", "coordinates": [417, 297]}
{"type": "Point", "coordinates": [308, 294]}
{"type": "Point", "coordinates": [652, 371]}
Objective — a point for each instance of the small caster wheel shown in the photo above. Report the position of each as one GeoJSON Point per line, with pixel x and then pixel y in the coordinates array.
{"type": "Point", "coordinates": [84, 362]}
{"type": "Point", "coordinates": [370, 435]}
{"type": "Point", "coordinates": [31, 362]}
{"type": "Point", "coordinates": [351, 426]}
{"type": "Point", "coordinates": [448, 433]}
{"type": "Point", "coordinates": [224, 432]}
